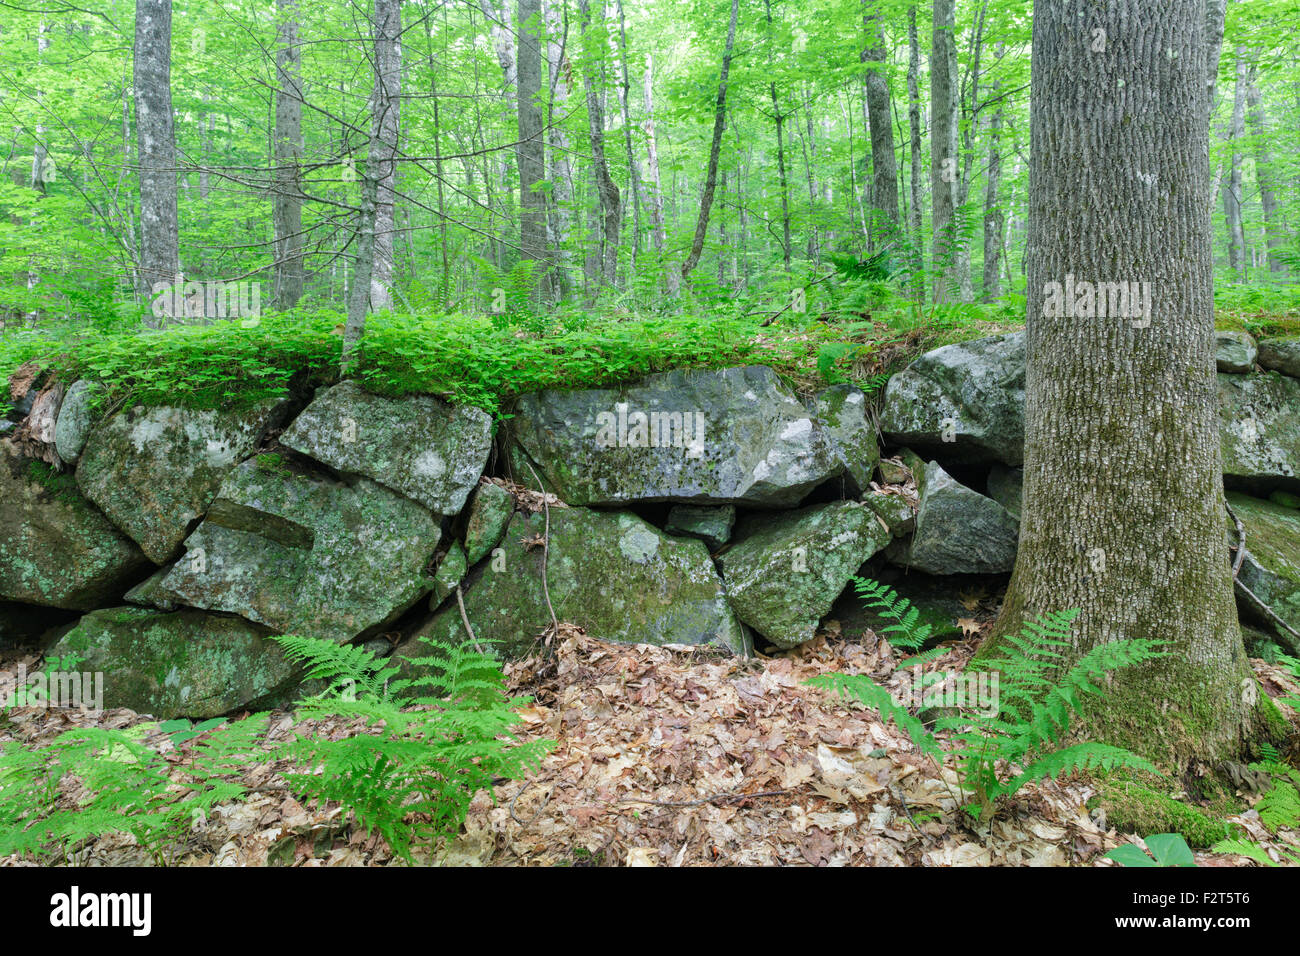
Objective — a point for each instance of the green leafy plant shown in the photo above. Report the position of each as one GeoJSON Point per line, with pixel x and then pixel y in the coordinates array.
{"type": "Point", "coordinates": [1278, 808]}
{"type": "Point", "coordinates": [1166, 849]}
{"type": "Point", "coordinates": [431, 742]}
{"type": "Point", "coordinates": [1018, 740]}
{"type": "Point", "coordinates": [111, 781]}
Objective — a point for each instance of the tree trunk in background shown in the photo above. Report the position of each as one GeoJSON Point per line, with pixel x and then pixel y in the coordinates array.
{"type": "Point", "coordinates": [561, 168]}
{"type": "Point", "coordinates": [385, 144]}
{"type": "Point", "coordinates": [1264, 172]}
{"type": "Point", "coordinates": [610, 200]}
{"type": "Point", "coordinates": [914, 128]}
{"type": "Point", "coordinates": [943, 150]}
{"type": "Point", "coordinates": [711, 178]}
{"type": "Point", "coordinates": [286, 210]}
{"type": "Point", "coordinates": [993, 218]}
{"type": "Point", "coordinates": [633, 167]}
{"type": "Point", "coordinates": [884, 187]}
{"type": "Point", "coordinates": [1232, 191]}
{"type": "Point", "coordinates": [1123, 514]}
{"type": "Point", "coordinates": [160, 260]}
{"type": "Point", "coordinates": [1216, 12]}
{"type": "Point", "coordinates": [501, 32]}
{"type": "Point", "coordinates": [359, 293]}
{"type": "Point", "coordinates": [655, 196]}
{"type": "Point", "coordinates": [529, 152]}
{"type": "Point", "coordinates": [779, 119]}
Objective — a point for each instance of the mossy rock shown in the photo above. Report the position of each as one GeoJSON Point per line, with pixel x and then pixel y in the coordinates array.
{"type": "Point", "coordinates": [1132, 808]}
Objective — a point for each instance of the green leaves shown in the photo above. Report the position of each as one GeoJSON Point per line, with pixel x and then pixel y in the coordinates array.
{"type": "Point", "coordinates": [1168, 849]}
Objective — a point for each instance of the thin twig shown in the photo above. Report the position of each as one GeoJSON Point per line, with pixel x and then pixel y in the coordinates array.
{"type": "Point", "coordinates": [460, 602]}
{"type": "Point", "coordinates": [529, 822]}
{"type": "Point", "coordinates": [1240, 587]}
{"type": "Point", "coordinates": [1241, 541]}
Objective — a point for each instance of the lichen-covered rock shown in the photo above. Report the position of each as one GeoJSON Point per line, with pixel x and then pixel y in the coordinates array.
{"type": "Point", "coordinates": [76, 415]}
{"type": "Point", "coordinates": [964, 401]}
{"type": "Point", "coordinates": [490, 510]}
{"type": "Point", "coordinates": [181, 664]}
{"type": "Point", "coordinates": [611, 573]}
{"type": "Point", "coordinates": [894, 510]}
{"type": "Point", "coordinates": [451, 571]}
{"type": "Point", "coordinates": [784, 572]}
{"type": "Point", "coordinates": [842, 409]}
{"type": "Point", "coordinates": [959, 530]}
{"type": "Point", "coordinates": [149, 593]}
{"type": "Point", "coordinates": [419, 445]}
{"type": "Point", "coordinates": [1235, 352]}
{"type": "Point", "coordinates": [1271, 569]}
{"type": "Point", "coordinates": [154, 471]}
{"type": "Point", "coordinates": [1259, 427]}
{"type": "Point", "coordinates": [56, 548]}
{"type": "Point", "coordinates": [1282, 355]}
{"type": "Point", "coordinates": [735, 436]}
{"type": "Point", "coordinates": [1006, 487]}
{"type": "Point", "coordinates": [711, 524]}
{"type": "Point", "coordinates": [305, 554]}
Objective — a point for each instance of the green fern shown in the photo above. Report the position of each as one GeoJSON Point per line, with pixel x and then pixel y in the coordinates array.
{"type": "Point", "coordinates": [1239, 846]}
{"type": "Point", "coordinates": [908, 631]}
{"type": "Point", "coordinates": [431, 742]}
{"type": "Point", "coordinates": [1039, 693]}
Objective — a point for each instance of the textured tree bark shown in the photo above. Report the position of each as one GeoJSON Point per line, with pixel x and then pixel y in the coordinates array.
{"type": "Point", "coordinates": [779, 119]}
{"type": "Point", "coordinates": [884, 188]}
{"type": "Point", "coordinates": [286, 211]}
{"type": "Point", "coordinates": [633, 166]}
{"type": "Point", "coordinates": [943, 149]}
{"type": "Point", "coordinates": [914, 128]}
{"type": "Point", "coordinates": [385, 144]}
{"type": "Point", "coordinates": [606, 188]}
{"type": "Point", "coordinates": [529, 152]}
{"type": "Point", "coordinates": [711, 178]}
{"type": "Point", "coordinates": [160, 260]}
{"type": "Point", "coordinates": [359, 294]}
{"type": "Point", "coordinates": [1123, 513]}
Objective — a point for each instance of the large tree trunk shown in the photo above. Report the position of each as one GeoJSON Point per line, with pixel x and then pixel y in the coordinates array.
{"type": "Point", "coordinates": [1123, 514]}
{"type": "Point", "coordinates": [884, 188]}
{"type": "Point", "coordinates": [711, 178]}
{"type": "Point", "coordinates": [160, 260]}
{"type": "Point", "coordinates": [286, 211]}
{"type": "Point", "coordinates": [529, 154]}
{"type": "Point", "coordinates": [914, 128]}
{"type": "Point", "coordinates": [384, 144]}
{"type": "Point", "coordinates": [606, 188]}
{"type": "Point", "coordinates": [943, 150]}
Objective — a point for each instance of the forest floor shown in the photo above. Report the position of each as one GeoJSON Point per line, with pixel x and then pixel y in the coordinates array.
{"type": "Point", "coordinates": [672, 757]}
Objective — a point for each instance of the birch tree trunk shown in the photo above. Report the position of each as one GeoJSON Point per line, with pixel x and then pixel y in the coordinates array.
{"type": "Point", "coordinates": [914, 128]}
{"type": "Point", "coordinates": [1123, 514]}
{"type": "Point", "coordinates": [655, 196]}
{"type": "Point", "coordinates": [529, 153]}
{"type": "Point", "coordinates": [160, 260]}
{"type": "Point", "coordinates": [286, 211]}
{"type": "Point", "coordinates": [884, 188]}
{"type": "Point", "coordinates": [633, 166]}
{"type": "Point", "coordinates": [561, 168]}
{"type": "Point", "coordinates": [385, 144]}
{"type": "Point", "coordinates": [943, 150]}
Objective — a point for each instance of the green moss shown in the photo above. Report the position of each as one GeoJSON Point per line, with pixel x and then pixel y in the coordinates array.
{"type": "Point", "coordinates": [1133, 808]}
{"type": "Point", "coordinates": [61, 485]}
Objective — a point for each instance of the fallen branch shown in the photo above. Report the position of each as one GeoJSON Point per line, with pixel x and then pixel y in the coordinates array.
{"type": "Point", "coordinates": [716, 798]}
{"type": "Point", "coordinates": [546, 549]}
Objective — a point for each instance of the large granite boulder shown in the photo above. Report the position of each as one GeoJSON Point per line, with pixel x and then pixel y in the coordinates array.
{"type": "Point", "coordinates": [735, 436]}
{"type": "Point", "coordinates": [154, 471]}
{"type": "Point", "coordinates": [1259, 429]}
{"type": "Point", "coordinates": [784, 572]}
{"type": "Point", "coordinates": [842, 409]}
{"type": "Point", "coordinates": [1281, 354]}
{"type": "Point", "coordinates": [965, 401]}
{"type": "Point", "coordinates": [419, 445]}
{"type": "Point", "coordinates": [712, 524]}
{"type": "Point", "coordinates": [1271, 568]}
{"type": "Point", "coordinates": [1235, 352]}
{"type": "Point", "coordinates": [182, 664]}
{"type": "Point", "coordinates": [306, 555]}
{"type": "Point", "coordinates": [76, 415]}
{"type": "Point", "coordinates": [490, 510]}
{"type": "Point", "coordinates": [958, 530]}
{"type": "Point", "coordinates": [611, 573]}
{"type": "Point", "coordinates": [56, 548]}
